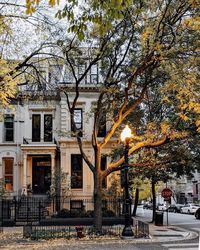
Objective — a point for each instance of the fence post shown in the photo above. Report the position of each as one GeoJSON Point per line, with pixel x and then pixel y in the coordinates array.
{"type": "Point", "coordinates": [1, 214]}
{"type": "Point", "coordinates": [136, 228]}
{"type": "Point", "coordinates": [53, 205]}
{"type": "Point", "coordinates": [39, 210]}
{"type": "Point", "coordinates": [2, 211]}
{"type": "Point", "coordinates": [15, 209]}
{"type": "Point", "coordinates": [119, 207]}
{"type": "Point", "coordinates": [27, 212]}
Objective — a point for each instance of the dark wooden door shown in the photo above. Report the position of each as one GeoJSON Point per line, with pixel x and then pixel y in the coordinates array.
{"type": "Point", "coordinates": [41, 174]}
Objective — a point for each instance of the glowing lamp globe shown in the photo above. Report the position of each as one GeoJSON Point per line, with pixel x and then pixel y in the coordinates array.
{"type": "Point", "coordinates": [126, 134]}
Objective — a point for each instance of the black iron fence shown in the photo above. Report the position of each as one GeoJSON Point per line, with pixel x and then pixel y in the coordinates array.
{"type": "Point", "coordinates": [1, 226]}
{"type": "Point", "coordinates": [21, 210]}
{"type": "Point", "coordinates": [48, 232]}
{"type": "Point", "coordinates": [141, 228]}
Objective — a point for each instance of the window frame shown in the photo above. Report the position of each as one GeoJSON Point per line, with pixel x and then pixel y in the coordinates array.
{"type": "Point", "coordinates": [7, 129]}
{"type": "Point", "coordinates": [50, 130]}
{"type": "Point", "coordinates": [83, 65]}
{"type": "Point", "coordinates": [68, 77]}
{"type": "Point", "coordinates": [40, 130]}
{"type": "Point", "coordinates": [55, 73]}
{"type": "Point", "coordinates": [76, 204]}
{"type": "Point", "coordinates": [7, 186]}
{"type": "Point", "coordinates": [102, 127]}
{"type": "Point", "coordinates": [74, 183]}
{"type": "Point", "coordinates": [92, 74]}
{"type": "Point", "coordinates": [35, 138]}
{"type": "Point", "coordinates": [79, 130]}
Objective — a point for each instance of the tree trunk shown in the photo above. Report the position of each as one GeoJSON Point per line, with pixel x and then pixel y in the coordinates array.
{"type": "Point", "coordinates": [97, 207]}
{"type": "Point", "coordinates": [98, 193]}
{"type": "Point", "coordinates": [154, 199]}
{"type": "Point", "coordinates": [136, 201]}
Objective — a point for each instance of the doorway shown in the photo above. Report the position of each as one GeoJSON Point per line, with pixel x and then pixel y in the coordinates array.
{"type": "Point", "coordinates": [41, 175]}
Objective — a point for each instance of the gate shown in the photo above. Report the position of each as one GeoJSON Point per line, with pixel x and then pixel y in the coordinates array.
{"type": "Point", "coordinates": [23, 210]}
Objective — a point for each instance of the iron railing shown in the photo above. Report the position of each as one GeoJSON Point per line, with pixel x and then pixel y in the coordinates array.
{"type": "Point", "coordinates": [68, 232]}
{"type": "Point", "coordinates": [27, 209]}
{"type": "Point", "coordinates": [141, 228]}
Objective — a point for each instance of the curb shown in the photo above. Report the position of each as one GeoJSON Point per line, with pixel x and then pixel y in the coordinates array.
{"type": "Point", "coordinates": [186, 235]}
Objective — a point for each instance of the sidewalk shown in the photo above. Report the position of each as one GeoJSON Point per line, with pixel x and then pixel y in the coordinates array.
{"type": "Point", "coordinates": [12, 238]}
{"type": "Point", "coordinates": [165, 233]}
{"type": "Point", "coordinates": [169, 233]}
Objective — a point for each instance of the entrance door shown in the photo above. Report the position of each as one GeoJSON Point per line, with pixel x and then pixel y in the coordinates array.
{"type": "Point", "coordinates": [41, 174]}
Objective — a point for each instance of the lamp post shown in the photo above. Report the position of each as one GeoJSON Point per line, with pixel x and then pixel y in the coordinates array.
{"type": "Point", "coordinates": [125, 137]}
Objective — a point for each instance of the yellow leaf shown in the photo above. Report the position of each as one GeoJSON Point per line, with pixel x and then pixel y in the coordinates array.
{"type": "Point", "coordinates": [184, 117]}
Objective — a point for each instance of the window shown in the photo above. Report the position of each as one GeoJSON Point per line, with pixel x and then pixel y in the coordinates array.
{"type": "Point", "coordinates": [47, 128]}
{"type": "Point", "coordinates": [9, 128]}
{"type": "Point", "coordinates": [103, 167]}
{"type": "Point", "coordinates": [68, 76]}
{"type": "Point", "coordinates": [81, 71]}
{"type": "Point", "coordinates": [55, 73]}
{"type": "Point", "coordinates": [36, 121]}
{"type": "Point", "coordinates": [76, 171]}
{"type": "Point", "coordinates": [76, 205]}
{"type": "Point", "coordinates": [42, 73]}
{"type": "Point", "coordinates": [40, 79]}
{"type": "Point", "coordinates": [102, 126]}
{"type": "Point", "coordinates": [8, 173]}
{"type": "Point", "coordinates": [94, 74]}
{"type": "Point", "coordinates": [78, 120]}
{"type": "Point", "coordinates": [42, 127]}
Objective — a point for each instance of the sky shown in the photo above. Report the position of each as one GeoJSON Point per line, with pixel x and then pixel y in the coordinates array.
{"type": "Point", "coordinates": [28, 32]}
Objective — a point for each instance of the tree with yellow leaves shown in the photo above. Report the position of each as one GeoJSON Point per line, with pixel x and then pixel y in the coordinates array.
{"type": "Point", "coordinates": [143, 46]}
{"type": "Point", "coordinates": [21, 49]}
{"type": "Point", "coordinates": [7, 83]}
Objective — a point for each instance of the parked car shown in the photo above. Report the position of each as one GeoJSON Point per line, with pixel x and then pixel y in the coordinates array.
{"type": "Point", "coordinates": [162, 207]}
{"type": "Point", "coordinates": [172, 208]}
{"type": "Point", "coordinates": [175, 208]}
{"type": "Point", "coordinates": [197, 214]}
{"type": "Point", "coordinates": [166, 207]}
{"type": "Point", "coordinates": [189, 208]}
{"type": "Point", "coordinates": [178, 208]}
{"type": "Point", "coordinates": [148, 205]}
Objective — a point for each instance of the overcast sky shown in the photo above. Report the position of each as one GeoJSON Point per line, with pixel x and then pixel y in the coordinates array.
{"type": "Point", "coordinates": [28, 32]}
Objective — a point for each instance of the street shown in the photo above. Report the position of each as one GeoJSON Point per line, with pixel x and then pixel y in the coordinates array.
{"type": "Point", "coordinates": [186, 221]}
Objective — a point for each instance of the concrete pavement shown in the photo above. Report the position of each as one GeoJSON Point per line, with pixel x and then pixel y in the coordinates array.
{"type": "Point", "coordinates": [13, 235]}
{"type": "Point", "coordinates": [169, 233]}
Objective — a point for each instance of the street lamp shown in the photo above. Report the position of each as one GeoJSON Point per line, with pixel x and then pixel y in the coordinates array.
{"type": "Point", "coordinates": [125, 138]}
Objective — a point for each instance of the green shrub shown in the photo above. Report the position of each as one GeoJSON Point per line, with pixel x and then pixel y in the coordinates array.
{"type": "Point", "coordinates": [65, 213]}
{"type": "Point", "coordinates": [108, 213]}
{"type": "Point", "coordinates": [89, 214]}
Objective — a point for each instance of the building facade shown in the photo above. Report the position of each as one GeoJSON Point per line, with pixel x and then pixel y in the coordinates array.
{"type": "Point", "coordinates": [39, 154]}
